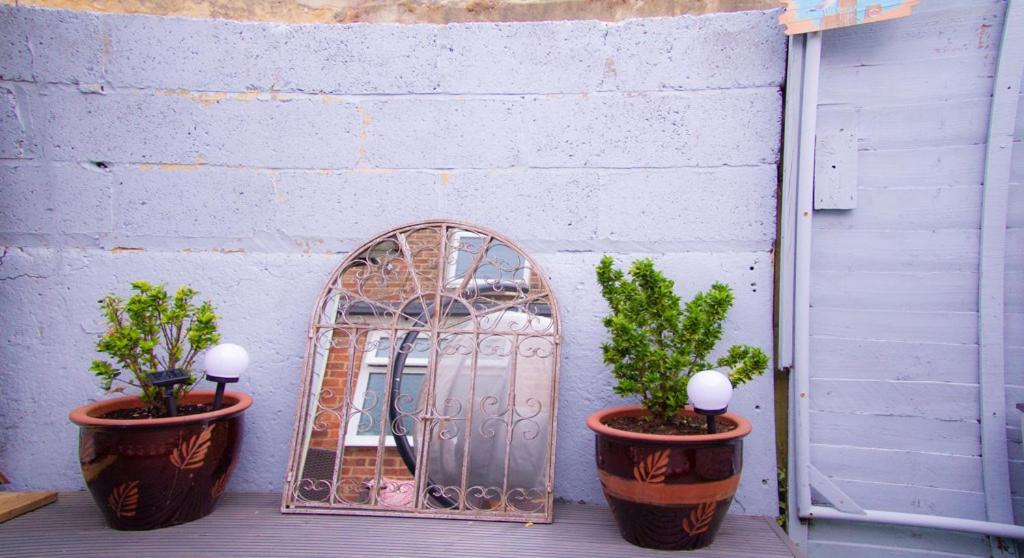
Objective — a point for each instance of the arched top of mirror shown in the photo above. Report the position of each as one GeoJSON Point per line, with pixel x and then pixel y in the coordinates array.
{"type": "Point", "coordinates": [430, 382]}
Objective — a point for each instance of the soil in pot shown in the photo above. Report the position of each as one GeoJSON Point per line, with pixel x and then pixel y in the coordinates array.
{"type": "Point", "coordinates": [141, 413]}
{"type": "Point", "coordinates": [683, 425]}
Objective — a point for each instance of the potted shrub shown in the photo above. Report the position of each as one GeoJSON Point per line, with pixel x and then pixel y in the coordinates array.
{"type": "Point", "coordinates": [164, 456]}
{"type": "Point", "coordinates": [668, 481]}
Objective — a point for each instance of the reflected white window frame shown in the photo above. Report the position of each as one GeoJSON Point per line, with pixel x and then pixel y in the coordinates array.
{"type": "Point", "coordinates": [452, 263]}
{"type": "Point", "coordinates": [374, 364]}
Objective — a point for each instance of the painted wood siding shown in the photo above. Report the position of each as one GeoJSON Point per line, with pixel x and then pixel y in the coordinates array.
{"type": "Point", "coordinates": [894, 300]}
{"type": "Point", "coordinates": [1014, 293]}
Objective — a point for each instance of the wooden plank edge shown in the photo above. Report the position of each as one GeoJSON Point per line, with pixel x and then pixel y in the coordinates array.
{"type": "Point", "coordinates": [13, 504]}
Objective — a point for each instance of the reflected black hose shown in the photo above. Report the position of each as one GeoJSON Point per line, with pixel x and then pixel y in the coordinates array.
{"type": "Point", "coordinates": [401, 440]}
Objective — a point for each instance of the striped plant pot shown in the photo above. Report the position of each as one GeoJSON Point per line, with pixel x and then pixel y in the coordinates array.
{"type": "Point", "coordinates": [668, 492]}
{"type": "Point", "coordinates": [152, 473]}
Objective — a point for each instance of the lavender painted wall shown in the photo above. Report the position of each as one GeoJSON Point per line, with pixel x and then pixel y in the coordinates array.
{"type": "Point", "coordinates": [246, 159]}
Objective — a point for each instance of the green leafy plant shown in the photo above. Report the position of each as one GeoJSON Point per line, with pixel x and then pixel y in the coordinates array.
{"type": "Point", "coordinates": [153, 331]}
{"type": "Point", "coordinates": [657, 343]}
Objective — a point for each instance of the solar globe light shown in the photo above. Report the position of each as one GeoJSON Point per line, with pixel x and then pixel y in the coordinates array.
{"type": "Point", "coordinates": [710, 392]}
{"type": "Point", "coordinates": [224, 364]}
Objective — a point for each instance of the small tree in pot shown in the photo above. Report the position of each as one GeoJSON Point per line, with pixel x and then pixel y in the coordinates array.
{"type": "Point", "coordinates": [153, 333]}
{"type": "Point", "coordinates": [164, 456]}
{"type": "Point", "coordinates": [669, 482]}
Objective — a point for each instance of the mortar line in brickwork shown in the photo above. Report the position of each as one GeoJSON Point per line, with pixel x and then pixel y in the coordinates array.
{"type": "Point", "coordinates": [186, 166]}
{"type": "Point", "coordinates": [122, 244]}
{"type": "Point", "coordinates": [208, 97]}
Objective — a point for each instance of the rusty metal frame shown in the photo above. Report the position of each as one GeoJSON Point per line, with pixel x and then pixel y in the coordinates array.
{"type": "Point", "coordinates": [309, 406]}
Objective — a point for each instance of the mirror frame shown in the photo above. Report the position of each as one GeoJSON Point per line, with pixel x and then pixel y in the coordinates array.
{"type": "Point", "coordinates": [303, 417]}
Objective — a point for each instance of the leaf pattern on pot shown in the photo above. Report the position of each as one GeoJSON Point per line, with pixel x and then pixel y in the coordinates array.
{"type": "Point", "coordinates": [87, 448]}
{"type": "Point", "coordinates": [652, 468]}
{"type": "Point", "coordinates": [93, 468]}
{"type": "Point", "coordinates": [191, 453]}
{"type": "Point", "coordinates": [700, 519]}
{"type": "Point", "coordinates": [124, 499]}
{"type": "Point", "coordinates": [219, 485]}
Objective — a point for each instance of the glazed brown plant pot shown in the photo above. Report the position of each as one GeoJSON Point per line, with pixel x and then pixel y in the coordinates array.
{"type": "Point", "coordinates": [668, 492]}
{"type": "Point", "coordinates": [152, 473]}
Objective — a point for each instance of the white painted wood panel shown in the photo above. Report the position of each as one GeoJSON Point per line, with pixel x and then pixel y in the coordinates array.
{"type": "Point", "coordinates": [895, 250]}
{"type": "Point", "coordinates": [929, 327]}
{"type": "Point", "coordinates": [934, 540]}
{"type": "Point", "coordinates": [934, 291]}
{"type": "Point", "coordinates": [1015, 365]}
{"type": "Point", "coordinates": [838, 358]}
{"type": "Point", "coordinates": [900, 81]}
{"type": "Point", "coordinates": [1015, 250]}
{"type": "Point", "coordinates": [894, 324]}
{"type": "Point", "coordinates": [908, 209]}
{"type": "Point", "coordinates": [915, 499]}
{"type": "Point", "coordinates": [961, 122]}
{"type": "Point", "coordinates": [1015, 206]}
{"type": "Point", "coordinates": [1017, 160]}
{"type": "Point", "coordinates": [911, 468]}
{"type": "Point", "coordinates": [897, 433]}
{"type": "Point", "coordinates": [1014, 438]}
{"type": "Point", "coordinates": [1017, 477]}
{"type": "Point", "coordinates": [922, 167]}
{"type": "Point", "coordinates": [865, 550]}
{"type": "Point", "coordinates": [1018, 129]}
{"type": "Point", "coordinates": [937, 400]}
{"type": "Point", "coordinates": [1014, 297]}
{"type": "Point", "coordinates": [1014, 329]}
{"type": "Point", "coordinates": [1014, 395]}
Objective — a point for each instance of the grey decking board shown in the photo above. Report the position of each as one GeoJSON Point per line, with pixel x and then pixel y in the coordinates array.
{"type": "Point", "coordinates": [251, 525]}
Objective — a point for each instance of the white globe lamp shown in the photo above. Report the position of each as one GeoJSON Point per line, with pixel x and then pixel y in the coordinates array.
{"type": "Point", "coordinates": [710, 392]}
{"type": "Point", "coordinates": [224, 363]}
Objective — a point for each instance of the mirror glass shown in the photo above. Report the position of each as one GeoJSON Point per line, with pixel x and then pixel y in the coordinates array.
{"type": "Point", "coordinates": [430, 382]}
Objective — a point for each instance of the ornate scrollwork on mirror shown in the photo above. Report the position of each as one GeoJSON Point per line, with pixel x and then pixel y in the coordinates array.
{"type": "Point", "coordinates": [430, 382]}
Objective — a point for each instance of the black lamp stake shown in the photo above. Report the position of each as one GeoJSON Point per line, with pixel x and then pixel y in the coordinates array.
{"type": "Point", "coordinates": [172, 403]}
{"type": "Point", "coordinates": [218, 398]}
{"type": "Point", "coordinates": [710, 416]}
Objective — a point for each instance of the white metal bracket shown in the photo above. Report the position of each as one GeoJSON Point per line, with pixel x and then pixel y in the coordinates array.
{"type": "Point", "coordinates": [835, 495]}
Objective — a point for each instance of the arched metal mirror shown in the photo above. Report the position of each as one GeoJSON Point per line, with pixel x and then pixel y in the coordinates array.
{"type": "Point", "coordinates": [430, 383]}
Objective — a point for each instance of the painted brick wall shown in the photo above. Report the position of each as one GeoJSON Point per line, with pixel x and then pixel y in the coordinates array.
{"type": "Point", "coordinates": [246, 159]}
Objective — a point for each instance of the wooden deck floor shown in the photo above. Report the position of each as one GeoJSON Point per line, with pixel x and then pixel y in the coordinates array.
{"type": "Point", "coordinates": [250, 525]}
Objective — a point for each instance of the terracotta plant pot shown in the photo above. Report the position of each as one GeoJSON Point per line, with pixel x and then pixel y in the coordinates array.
{"type": "Point", "coordinates": [152, 473]}
{"type": "Point", "coordinates": [668, 492]}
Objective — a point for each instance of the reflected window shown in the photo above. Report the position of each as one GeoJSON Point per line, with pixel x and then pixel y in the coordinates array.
{"type": "Point", "coordinates": [500, 264]}
{"type": "Point", "coordinates": [371, 388]}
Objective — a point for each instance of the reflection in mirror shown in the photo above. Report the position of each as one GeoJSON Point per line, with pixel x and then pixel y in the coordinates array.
{"type": "Point", "coordinates": [430, 383]}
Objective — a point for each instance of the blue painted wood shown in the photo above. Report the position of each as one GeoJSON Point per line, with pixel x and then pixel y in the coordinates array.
{"type": "Point", "coordinates": [805, 16]}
